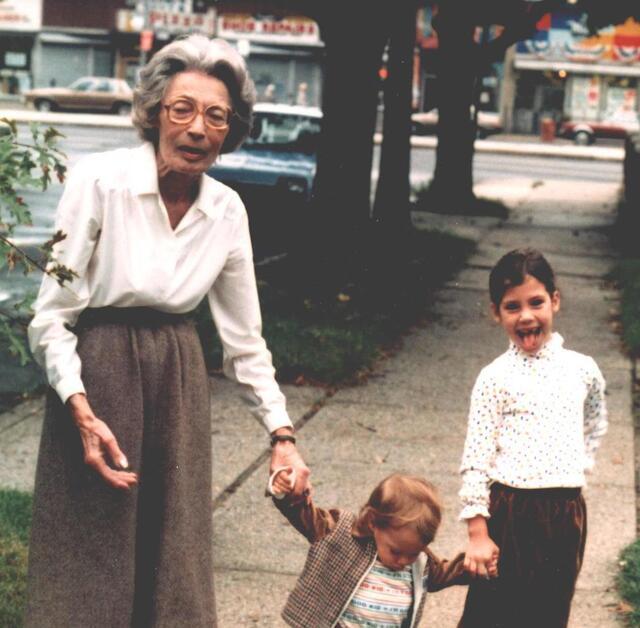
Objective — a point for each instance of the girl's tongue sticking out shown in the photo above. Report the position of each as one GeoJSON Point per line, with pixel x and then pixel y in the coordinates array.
{"type": "Point", "coordinates": [530, 339]}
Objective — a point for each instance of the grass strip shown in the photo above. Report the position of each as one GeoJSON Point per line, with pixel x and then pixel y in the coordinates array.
{"type": "Point", "coordinates": [332, 338]}
{"type": "Point", "coordinates": [627, 276]}
{"type": "Point", "coordinates": [15, 521]}
{"type": "Point", "coordinates": [628, 582]}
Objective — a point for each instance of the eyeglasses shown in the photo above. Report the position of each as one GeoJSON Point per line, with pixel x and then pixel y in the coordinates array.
{"type": "Point", "coordinates": [184, 111]}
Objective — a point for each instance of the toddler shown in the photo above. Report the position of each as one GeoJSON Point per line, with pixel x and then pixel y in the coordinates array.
{"type": "Point", "coordinates": [373, 569]}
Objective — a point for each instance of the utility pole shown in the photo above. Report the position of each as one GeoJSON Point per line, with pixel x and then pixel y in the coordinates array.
{"type": "Point", "coordinates": [146, 33]}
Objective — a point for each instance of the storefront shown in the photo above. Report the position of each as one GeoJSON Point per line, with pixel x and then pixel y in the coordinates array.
{"type": "Point", "coordinates": [20, 20]}
{"type": "Point", "coordinates": [283, 55]}
{"type": "Point", "coordinates": [166, 20]}
{"type": "Point", "coordinates": [61, 58]}
{"type": "Point", "coordinates": [566, 73]}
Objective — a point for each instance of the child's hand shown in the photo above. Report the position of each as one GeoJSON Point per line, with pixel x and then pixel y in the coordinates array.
{"type": "Point", "coordinates": [481, 559]}
{"type": "Point", "coordinates": [281, 482]}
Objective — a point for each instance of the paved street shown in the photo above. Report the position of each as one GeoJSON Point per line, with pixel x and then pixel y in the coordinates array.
{"type": "Point", "coordinates": [412, 414]}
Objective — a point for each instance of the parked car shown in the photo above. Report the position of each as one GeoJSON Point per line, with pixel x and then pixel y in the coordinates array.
{"type": "Point", "coordinates": [273, 171]}
{"type": "Point", "coordinates": [426, 123]}
{"type": "Point", "coordinates": [585, 132]}
{"type": "Point", "coordinates": [90, 93]}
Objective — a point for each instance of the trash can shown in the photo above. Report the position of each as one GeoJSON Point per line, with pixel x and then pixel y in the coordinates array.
{"type": "Point", "coordinates": [547, 129]}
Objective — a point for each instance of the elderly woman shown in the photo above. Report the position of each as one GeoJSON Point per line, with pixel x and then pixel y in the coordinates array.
{"type": "Point", "coordinates": [121, 531]}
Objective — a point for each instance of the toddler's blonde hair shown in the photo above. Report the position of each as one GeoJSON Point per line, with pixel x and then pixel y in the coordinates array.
{"type": "Point", "coordinates": [401, 500]}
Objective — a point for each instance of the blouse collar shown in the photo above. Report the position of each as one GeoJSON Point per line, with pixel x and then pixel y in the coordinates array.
{"type": "Point", "coordinates": [144, 180]}
{"type": "Point", "coordinates": [552, 346]}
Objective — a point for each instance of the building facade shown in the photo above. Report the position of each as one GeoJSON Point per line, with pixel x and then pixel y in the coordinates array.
{"type": "Point", "coordinates": [53, 42]}
{"type": "Point", "coordinates": [283, 53]}
{"type": "Point", "coordinates": [564, 72]}
{"type": "Point", "coordinates": [20, 23]}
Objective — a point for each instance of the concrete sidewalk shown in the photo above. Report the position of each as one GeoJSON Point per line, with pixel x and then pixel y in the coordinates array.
{"type": "Point", "coordinates": [411, 415]}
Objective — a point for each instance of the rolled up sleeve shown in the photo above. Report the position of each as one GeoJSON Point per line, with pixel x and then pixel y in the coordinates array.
{"type": "Point", "coordinates": [57, 307]}
{"type": "Point", "coordinates": [235, 307]}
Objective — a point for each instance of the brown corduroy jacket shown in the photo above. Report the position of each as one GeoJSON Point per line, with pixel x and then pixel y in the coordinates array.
{"type": "Point", "coordinates": [338, 561]}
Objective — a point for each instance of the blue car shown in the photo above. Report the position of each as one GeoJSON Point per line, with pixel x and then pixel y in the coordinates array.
{"type": "Point", "coordinates": [273, 171]}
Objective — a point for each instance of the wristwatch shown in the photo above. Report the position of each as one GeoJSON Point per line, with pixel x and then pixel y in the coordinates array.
{"type": "Point", "coordinates": [283, 438]}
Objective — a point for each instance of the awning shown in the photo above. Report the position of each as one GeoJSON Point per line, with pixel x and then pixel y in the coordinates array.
{"type": "Point", "coordinates": [577, 68]}
{"type": "Point", "coordinates": [73, 40]}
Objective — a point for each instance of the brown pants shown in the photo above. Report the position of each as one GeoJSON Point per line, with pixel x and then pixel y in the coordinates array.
{"type": "Point", "coordinates": [104, 558]}
{"type": "Point", "coordinates": [541, 534]}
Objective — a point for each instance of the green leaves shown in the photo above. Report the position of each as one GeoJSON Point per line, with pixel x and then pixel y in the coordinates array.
{"type": "Point", "coordinates": [26, 166]}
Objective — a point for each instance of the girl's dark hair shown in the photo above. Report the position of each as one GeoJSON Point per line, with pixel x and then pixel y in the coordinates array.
{"type": "Point", "coordinates": [512, 269]}
{"type": "Point", "coordinates": [401, 500]}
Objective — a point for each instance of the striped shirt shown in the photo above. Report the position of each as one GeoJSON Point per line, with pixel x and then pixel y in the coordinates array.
{"type": "Point", "coordinates": [383, 599]}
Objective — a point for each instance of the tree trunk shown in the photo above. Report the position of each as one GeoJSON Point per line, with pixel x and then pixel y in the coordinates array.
{"type": "Point", "coordinates": [391, 208]}
{"type": "Point", "coordinates": [340, 211]}
{"type": "Point", "coordinates": [452, 185]}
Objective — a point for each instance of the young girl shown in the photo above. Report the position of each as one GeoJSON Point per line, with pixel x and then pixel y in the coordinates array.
{"type": "Point", "coordinates": [373, 569]}
{"type": "Point", "coordinates": [537, 417]}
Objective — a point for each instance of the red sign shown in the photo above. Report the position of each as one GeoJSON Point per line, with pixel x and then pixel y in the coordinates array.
{"type": "Point", "coordinates": [146, 40]}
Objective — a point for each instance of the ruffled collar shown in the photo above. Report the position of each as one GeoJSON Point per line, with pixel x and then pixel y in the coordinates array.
{"type": "Point", "coordinates": [552, 346]}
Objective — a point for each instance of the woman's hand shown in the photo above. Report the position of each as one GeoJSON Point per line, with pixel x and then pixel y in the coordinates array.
{"type": "Point", "coordinates": [481, 558]}
{"type": "Point", "coordinates": [285, 454]}
{"type": "Point", "coordinates": [100, 445]}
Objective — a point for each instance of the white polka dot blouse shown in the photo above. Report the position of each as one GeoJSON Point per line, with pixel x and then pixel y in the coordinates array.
{"type": "Point", "coordinates": [534, 422]}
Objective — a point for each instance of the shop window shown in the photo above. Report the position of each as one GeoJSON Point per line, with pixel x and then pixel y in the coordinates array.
{"type": "Point", "coordinates": [621, 102]}
{"type": "Point", "coordinates": [584, 101]}
{"type": "Point", "coordinates": [15, 59]}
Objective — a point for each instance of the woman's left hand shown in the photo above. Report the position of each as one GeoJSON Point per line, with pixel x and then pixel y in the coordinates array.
{"type": "Point", "coordinates": [285, 454]}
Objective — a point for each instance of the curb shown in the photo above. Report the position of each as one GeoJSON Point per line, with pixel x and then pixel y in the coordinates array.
{"type": "Point", "coordinates": [592, 153]}
{"type": "Point", "coordinates": [75, 119]}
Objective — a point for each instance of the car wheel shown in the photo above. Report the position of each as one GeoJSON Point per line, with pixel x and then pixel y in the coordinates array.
{"type": "Point", "coordinates": [44, 105]}
{"type": "Point", "coordinates": [122, 109]}
{"type": "Point", "coordinates": [583, 138]}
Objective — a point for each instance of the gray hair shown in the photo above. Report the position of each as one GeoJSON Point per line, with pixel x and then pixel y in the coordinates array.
{"type": "Point", "coordinates": [214, 57]}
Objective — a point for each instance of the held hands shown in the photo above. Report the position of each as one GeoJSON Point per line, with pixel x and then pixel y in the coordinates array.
{"type": "Point", "coordinates": [100, 445]}
{"type": "Point", "coordinates": [482, 554]}
{"type": "Point", "coordinates": [281, 482]}
{"type": "Point", "coordinates": [285, 454]}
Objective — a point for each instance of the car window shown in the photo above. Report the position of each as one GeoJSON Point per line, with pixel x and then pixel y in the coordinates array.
{"type": "Point", "coordinates": [284, 131]}
{"type": "Point", "coordinates": [82, 85]}
{"type": "Point", "coordinates": [103, 86]}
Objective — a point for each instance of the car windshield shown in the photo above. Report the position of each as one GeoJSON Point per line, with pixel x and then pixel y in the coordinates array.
{"type": "Point", "coordinates": [286, 132]}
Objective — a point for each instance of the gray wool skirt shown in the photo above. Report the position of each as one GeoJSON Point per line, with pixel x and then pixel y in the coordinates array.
{"type": "Point", "coordinates": [101, 557]}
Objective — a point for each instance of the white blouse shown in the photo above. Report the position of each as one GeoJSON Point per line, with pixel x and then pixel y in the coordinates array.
{"type": "Point", "coordinates": [534, 422]}
{"type": "Point", "coordinates": [121, 244]}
